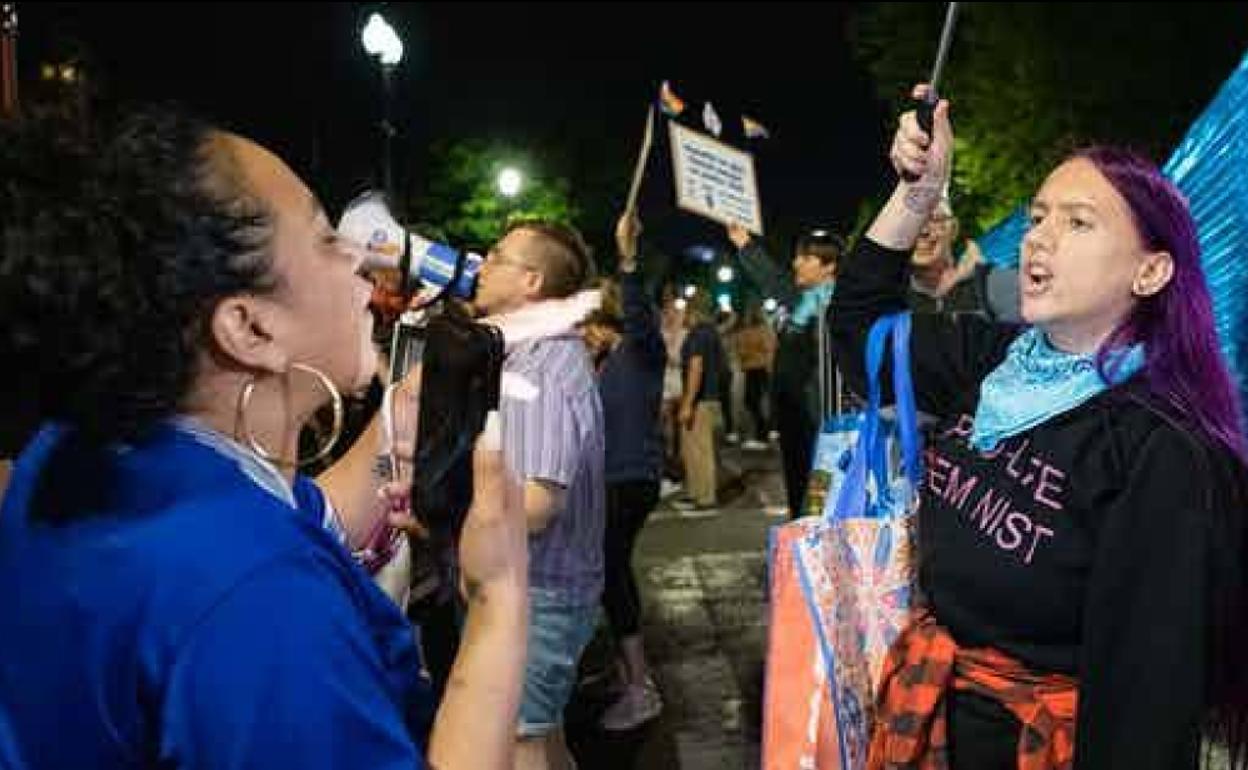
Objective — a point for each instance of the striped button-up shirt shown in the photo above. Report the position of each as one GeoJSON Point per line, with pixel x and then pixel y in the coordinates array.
{"type": "Point", "coordinates": [553, 431]}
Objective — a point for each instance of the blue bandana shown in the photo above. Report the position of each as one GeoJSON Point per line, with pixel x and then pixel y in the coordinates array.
{"type": "Point", "coordinates": [811, 304]}
{"type": "Point", "coordinates": [1037, 382]}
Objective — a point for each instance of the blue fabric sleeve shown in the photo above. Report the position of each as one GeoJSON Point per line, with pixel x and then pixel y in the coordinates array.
{"type": "Point", "coordinates": [312, 501]}
{"type": "Point", "coordinates": [283, 672]}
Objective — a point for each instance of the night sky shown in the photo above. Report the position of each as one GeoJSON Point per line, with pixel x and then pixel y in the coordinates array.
{"type": "Point", "coordinates": [573, 77]}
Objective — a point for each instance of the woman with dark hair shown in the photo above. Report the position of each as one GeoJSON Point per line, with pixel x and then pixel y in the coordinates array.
{"type": "Point", "coordinates": [174, 305]}
{"type": "Point", "coordinates": [630, 360]}
{"type": "Point", "coordinates": [1081, 521]}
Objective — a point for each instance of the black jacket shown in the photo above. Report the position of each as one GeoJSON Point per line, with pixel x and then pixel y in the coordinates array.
{"type": "Point", "coordinates": [1083, 546]}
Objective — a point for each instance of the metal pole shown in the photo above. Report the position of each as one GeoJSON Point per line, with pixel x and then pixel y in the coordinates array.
{"type": "Point", "coordinates": [387, 132]}
{"type": "Point", "coordinates": [8, 59]}
{"type": "Point", "coordinates": [942, 53]}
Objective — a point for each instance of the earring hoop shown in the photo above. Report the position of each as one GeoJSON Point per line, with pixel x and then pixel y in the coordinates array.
{"type": "Point", "coordinates": [248, 391]}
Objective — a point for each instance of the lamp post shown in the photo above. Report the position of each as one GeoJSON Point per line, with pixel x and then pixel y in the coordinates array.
{"type": "Point", "coordinates": [8, 58]}
{"type": "Point", "coordinates": [380, 40]}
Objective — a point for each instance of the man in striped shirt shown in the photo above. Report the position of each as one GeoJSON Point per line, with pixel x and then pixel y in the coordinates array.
{"type": "Point", "coordinates": [553, 442]}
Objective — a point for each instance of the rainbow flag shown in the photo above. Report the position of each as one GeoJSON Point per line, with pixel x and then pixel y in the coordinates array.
{"type": "Point", "coordinates": [753, 129]}
{"type": "Point", "coordinates": [671, 104]}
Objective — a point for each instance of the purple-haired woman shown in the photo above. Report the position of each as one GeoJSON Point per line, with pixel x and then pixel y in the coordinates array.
{"type": "Point", "coordinates": [1081, 524]}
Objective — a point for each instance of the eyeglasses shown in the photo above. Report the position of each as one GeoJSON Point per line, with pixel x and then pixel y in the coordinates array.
{"type": "Point", "coordinates": [936, 224]}
{"type": "Point", "coordinates": [496, 258]}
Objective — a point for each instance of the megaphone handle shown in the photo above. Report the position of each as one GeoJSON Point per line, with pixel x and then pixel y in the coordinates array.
{"type": "Point", "coordinates": [407, 281]}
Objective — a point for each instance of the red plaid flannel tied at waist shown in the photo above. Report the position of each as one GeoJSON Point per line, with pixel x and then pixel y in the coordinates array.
{"type": "Point", "coordinates": [925, 664]}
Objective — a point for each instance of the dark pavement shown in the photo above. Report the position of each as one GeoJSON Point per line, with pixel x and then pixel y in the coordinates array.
{"type": "Point", "coordinates": [701, 576]}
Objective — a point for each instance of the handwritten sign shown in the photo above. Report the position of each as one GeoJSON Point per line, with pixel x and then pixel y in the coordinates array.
{"type": "Point", "coordinates": [715, 180]}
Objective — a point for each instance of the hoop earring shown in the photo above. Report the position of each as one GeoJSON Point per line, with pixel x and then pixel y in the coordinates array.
{"type": "Point", "coordinates": [244, 398]}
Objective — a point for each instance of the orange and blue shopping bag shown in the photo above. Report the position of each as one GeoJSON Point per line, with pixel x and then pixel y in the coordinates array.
{"type": "Point", "coordinates": [841, 584]}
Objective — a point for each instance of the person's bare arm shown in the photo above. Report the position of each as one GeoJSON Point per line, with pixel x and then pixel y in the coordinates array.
{"type": "Point", "coordinates": [543, 501]}
{"type": "Point", "coordinates": [928, 160]}
{"type": "Point", "coordinates": [476, 722]}
{"type": "Point", "coordinates": [352, 482]}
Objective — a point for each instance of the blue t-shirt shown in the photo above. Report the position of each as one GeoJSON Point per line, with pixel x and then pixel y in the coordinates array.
{"type": "Point", "coordinates": [186, 618]}
{"type": "Point", "coordinates": [703, 340]}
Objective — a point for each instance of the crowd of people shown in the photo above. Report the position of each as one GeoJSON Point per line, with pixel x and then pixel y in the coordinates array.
{"type": "Point", "coordinates": [176, 307]}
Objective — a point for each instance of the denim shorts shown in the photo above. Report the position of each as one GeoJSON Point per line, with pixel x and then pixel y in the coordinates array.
{"type": "Point", "coordinates": [558, 634]}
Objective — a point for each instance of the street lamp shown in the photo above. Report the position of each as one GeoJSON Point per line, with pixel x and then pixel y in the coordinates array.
{"type": "Point", "coordinates": [770, 305]}
{"type": "Point", "coordinates": [690, 290]}
{"type": "Point", "coordinates": [380, 40]}
{"type": "Point", "coordinates": [725, 274]}
{"type": "Point", "coordinates": [510, 182]}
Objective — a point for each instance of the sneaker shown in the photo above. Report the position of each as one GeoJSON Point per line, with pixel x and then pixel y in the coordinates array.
{"type": "Point", "coordinates": [732, 438]}
{"type": "Point", "coordinates": [698, 511]}
{"type": "Point", "coordinates": [635, 707]}
{"type": "Point", "coordinates": [773, 436]}
{"type": "Point", "coordinates": [754, 446]}
{"type": "Point", "coordinates": [668, 488]}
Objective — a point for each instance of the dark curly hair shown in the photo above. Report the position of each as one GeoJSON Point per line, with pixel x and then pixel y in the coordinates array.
{"type": "Point", "coordinates": [115, 252]}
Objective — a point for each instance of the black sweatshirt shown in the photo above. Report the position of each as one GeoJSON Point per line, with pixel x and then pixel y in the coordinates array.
{"type": "Point", "coordinates": [1081, 546]}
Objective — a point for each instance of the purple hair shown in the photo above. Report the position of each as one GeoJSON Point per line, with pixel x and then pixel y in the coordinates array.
{"type": "Point", "coordinates": [1187, 379]}
{"type": "Point", "coordinates": [1185, 370]}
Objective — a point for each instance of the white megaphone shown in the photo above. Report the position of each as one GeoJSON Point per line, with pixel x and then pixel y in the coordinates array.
{"type": "Point", "coordinates": [368, 224]}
